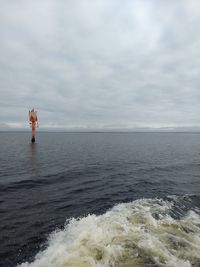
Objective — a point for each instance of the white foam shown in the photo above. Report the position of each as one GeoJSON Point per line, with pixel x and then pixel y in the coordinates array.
{"type": "Point", "coordinates": [126, 236]}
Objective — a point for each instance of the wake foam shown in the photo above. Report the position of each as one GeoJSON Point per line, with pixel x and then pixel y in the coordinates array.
{"type": "Point", "coordinates": [140, 233]}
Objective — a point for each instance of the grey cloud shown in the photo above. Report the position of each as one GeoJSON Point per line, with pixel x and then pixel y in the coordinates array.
{"type": "Point", "coordinates": [100, 63]}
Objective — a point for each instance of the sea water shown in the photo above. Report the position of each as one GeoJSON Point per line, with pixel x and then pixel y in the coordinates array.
{"type": "Point", "coordinates": [100, 199]}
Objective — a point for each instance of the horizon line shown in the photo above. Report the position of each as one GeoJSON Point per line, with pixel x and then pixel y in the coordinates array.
{"type": "Point", "coordinates": [101, 131]}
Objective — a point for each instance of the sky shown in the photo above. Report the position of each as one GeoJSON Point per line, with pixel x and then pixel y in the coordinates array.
{"type": "Point", "coordinates": [100, 64]}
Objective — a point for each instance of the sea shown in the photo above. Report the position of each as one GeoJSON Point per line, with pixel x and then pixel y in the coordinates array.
{"type": "Point", "coordinates": [99, 199]}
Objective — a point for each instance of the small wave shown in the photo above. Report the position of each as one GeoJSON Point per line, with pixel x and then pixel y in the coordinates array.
{"type": "Point", "coordinates": [141, 233]}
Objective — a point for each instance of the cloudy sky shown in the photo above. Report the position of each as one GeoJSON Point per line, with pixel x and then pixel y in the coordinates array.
{"type": "Point", "coordinates": [100, 64]}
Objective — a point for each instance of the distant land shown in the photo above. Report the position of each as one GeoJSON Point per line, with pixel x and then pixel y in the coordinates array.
{"type": "Point", "coordinates": [196, 129]}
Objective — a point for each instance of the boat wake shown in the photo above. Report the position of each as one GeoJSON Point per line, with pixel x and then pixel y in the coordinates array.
{"type": "Point", "coordinates": [145, 232]}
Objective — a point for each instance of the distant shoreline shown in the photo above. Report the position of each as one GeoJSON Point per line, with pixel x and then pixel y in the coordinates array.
{"type": "Point", "coordinates": [111, 132]}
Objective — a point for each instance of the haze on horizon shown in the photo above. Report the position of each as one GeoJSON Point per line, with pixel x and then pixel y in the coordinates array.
{"type": "Point", "coordinates": [100, 64]}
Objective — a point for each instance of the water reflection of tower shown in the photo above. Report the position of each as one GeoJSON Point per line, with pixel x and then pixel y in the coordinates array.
{"type": "Point", "coordinates": [33, 149]}
{"type": "Point", "coordinates": [34, 162]}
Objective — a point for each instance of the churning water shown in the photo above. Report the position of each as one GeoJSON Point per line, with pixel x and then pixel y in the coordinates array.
{"type": "Point", "coordinates": [100, 200]}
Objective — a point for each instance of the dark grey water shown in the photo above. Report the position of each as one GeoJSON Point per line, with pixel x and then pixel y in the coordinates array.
{"type": "Point", "coordinates": [66, 175]}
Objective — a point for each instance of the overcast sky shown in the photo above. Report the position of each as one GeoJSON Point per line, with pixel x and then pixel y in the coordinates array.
{"type": "Point", "coordinates": [100, 64]}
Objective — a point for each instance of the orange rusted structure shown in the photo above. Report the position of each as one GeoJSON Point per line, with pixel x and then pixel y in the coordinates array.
{"type": "Point", "coordinates": [33, 120]}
